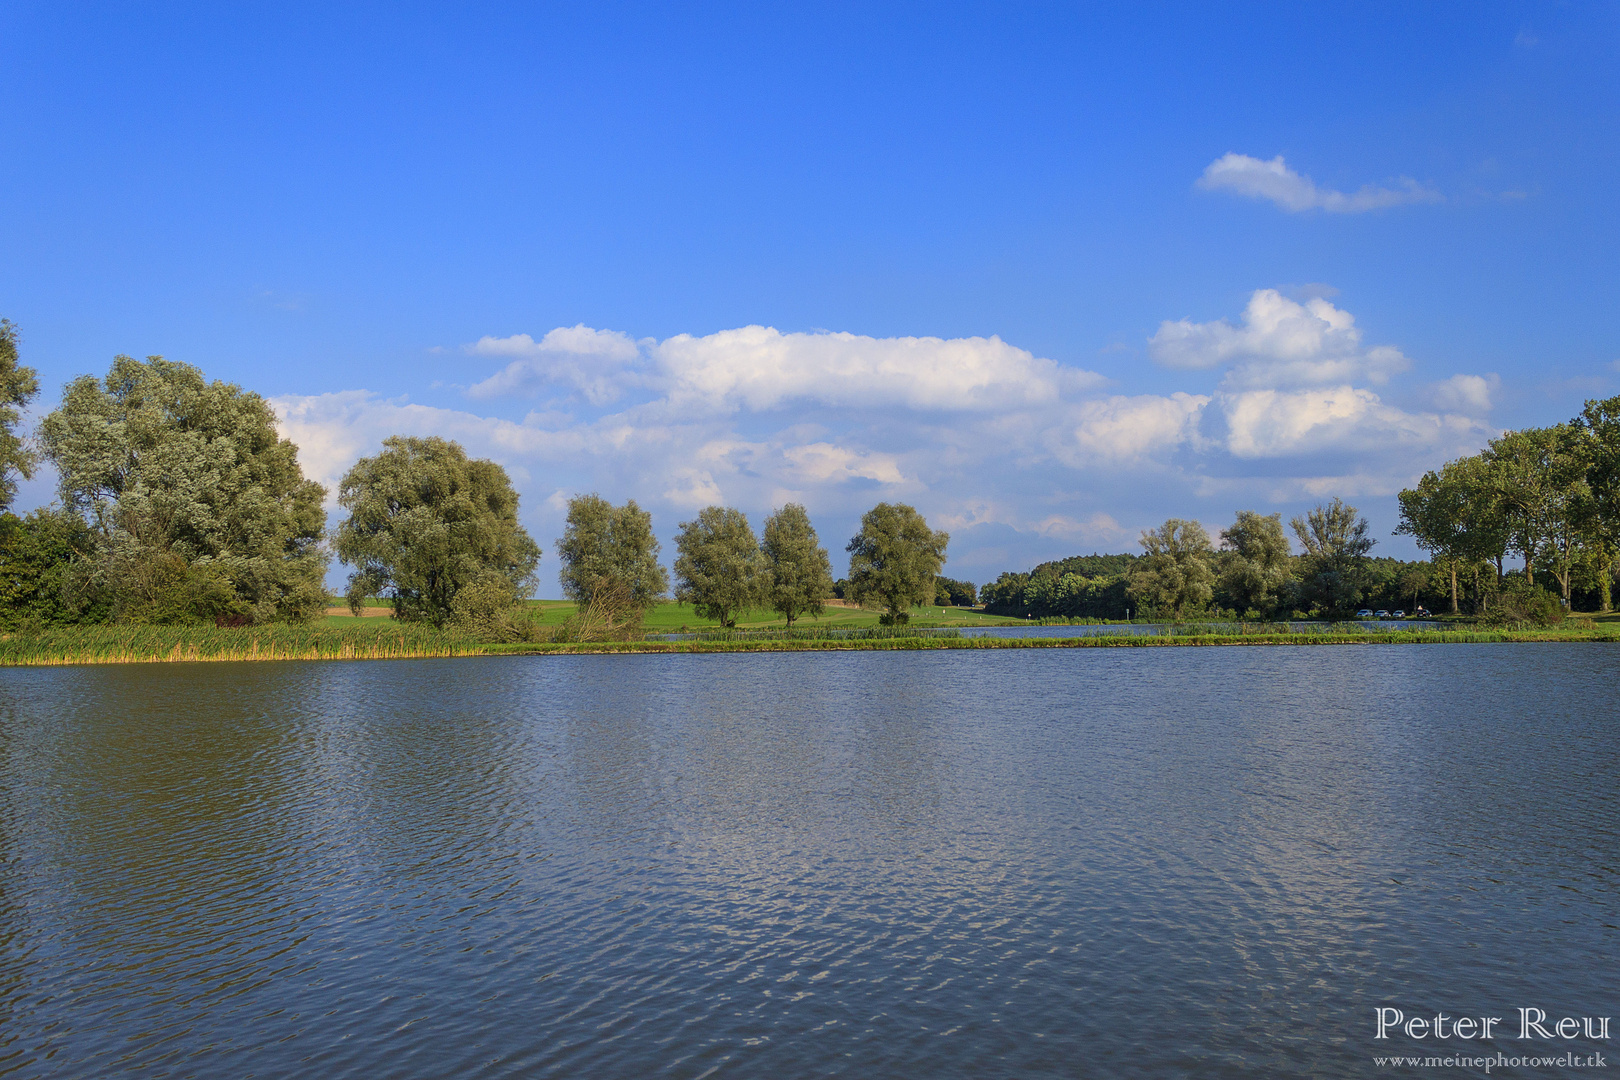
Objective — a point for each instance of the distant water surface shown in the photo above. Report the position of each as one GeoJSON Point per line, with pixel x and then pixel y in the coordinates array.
{"type": "Point", "coordinates": [1115, 862]}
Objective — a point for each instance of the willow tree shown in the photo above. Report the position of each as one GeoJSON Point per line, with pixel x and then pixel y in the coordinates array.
{"type": "Point", "coordinates": [1259, 573]}
{"type": "Point", "coordinates": [1174, 576]}
{"type": "Point", "coordinates": [1334, 536]}
{"type": "Point", "coordinates": [18, 386]}
{"type": "Point", "coordinates": [608, 550]}
{"type": "Point", "coordinates": [718, 566]}
{"type": "Point", "coordinates": [894, 559]}
{"type": "Point", "coordinates": [799, 575]}
{"type": "Point", "coordinates": [197, 504]}
{"type": "Point", "coordinates": [426, 522]}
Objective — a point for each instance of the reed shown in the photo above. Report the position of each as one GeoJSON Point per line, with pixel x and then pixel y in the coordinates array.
{"type": "Point", "coordinates": [112, 644]}
{"type": "Point", "coordinates": [395, 641]}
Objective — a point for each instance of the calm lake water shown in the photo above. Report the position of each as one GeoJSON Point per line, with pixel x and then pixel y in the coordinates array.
{"type": "Point", "coordinates": [1157, 862]}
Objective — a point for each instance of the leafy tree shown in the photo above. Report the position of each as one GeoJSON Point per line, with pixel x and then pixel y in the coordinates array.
{"type": "Point", "coordinates": [607, 549]}
{"type": "Point", "coordinates": [39, 555]}
{"type": "Point", "coordinates": [800, 576]}
{"type": "Point", "coordinates": [1443, 515]}
{"type": "Point", "coordinates": [1174, 576]}
{"type": "Point", "coordinates": [1413, 581]}
{"type": "Point", "coordinates": [957, 593]}
{"type": "Point", "coordinates": [198, 506]}
{"type": "Point", "coordinates": [18, 385]}
{"type": "Point", "coordinates": [1258, 575]}
{"type": "Point", "coordinates": [718, 566]}
{"type": "Point", "coordinates": [1336, 544]}
{"type": "Point", "coordinates": [426, 522]}
{"type": "Point", "coordinates": [894, 559]}
{"type": "Point", "coordinates": [1538, 477]}
{"type": "Point", "coordinates": [1600, 424]}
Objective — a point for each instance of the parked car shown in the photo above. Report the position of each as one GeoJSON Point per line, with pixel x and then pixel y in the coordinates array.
{"type": "Point", "coordinates": [1422, 613]}
{"type": "Point", "coordinates": [1364, 613]}
{"type": "Point", "coordinates": [1381, 614]}
{"type": "Point", "coordinates": [1399, 614]}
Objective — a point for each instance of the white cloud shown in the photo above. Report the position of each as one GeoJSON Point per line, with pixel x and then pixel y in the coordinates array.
{"type": "Point", "coordinates": [594, 362]}
{"type": "Point", "coordinates": [1274, 180]}
{"type": "Point", "coordinates": [1130, 428]}
{"type": "Point", "coordinates": [759, 367]}
{"type": "Point", "coordinates": [1469, 394]}
{"type": "Point", "coordinates": [1028, 456]}
{"type": "Point", "coordinates": [1341, 419]}
{"type": "Point", "coordinates": [821, 463]}
{"type": "Point", "coordinates": [1282, 342]}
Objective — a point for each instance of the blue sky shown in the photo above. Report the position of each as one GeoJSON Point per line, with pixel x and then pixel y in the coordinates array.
{"type": "Point", "coordinates": [1036, 270]}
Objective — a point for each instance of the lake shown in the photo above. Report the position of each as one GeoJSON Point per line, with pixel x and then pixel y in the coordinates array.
{"type": "Point", "coordinates": [1103, 862]}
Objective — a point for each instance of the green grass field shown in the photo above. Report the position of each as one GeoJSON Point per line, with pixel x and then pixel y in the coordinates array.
{"type": "Point", "coordinates": [668, 618]}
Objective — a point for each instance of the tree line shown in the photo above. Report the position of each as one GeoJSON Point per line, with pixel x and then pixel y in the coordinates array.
{"type": "Point", "coordinates": [180, 503]}
{"type": "Point", "coordinates": [1182, 574]}
{"type": "Point", "coordinates": [1549, 497]}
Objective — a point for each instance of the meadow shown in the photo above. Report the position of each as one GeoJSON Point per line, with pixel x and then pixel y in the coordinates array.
{"type": "Point", "coordinates": [344, 637]}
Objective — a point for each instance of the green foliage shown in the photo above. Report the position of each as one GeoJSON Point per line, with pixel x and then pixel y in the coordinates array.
{"type": "Point", "coordinates": [800, 576]}
{"type": "Point", "coordinates": [18, 385]}
{"type": "Point", "coordinates": [895, 558]}
{"type": "Point", "coordinates": [1174, 577]}
{"type": "Point", "coordinates": [608, 550]}
{"type": "Point", "coordinates": [1088, 566]}
{"type": "Point", "coordinates": [487, 610]}
{"type": "Point", "coordinates": [39, 556]}
{"type": "Point", "coordinates": [1520, 602]}
{"type": "Point", "coordinates": [1336, 544]}
{"type": "Point", "coordinates": [426, 522]}
{"type": "Point", "coordinates": [718, 566]}
{"type": "Point", "coordinates": [1257, 574]}
{"type": "Point", "coordinates": [955, 593]}
{"type": "Point", "coordinates": [170, 470]}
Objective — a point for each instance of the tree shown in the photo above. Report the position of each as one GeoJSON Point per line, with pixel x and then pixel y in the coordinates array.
{"type": "Point", "coordinates": [1259, 574]}
{"type": "Point", "coordinates": [1600, 424]}
{"type": "Point", "coordinates": [1336, 544]}
{"type": "Point", "coordinates": [1539, 481]}
{"type": "Point", "coordinates": [799, 575]}
{"type": "Point", "coordinates": [198, 506]}
{"type": "Point", "coordinates": [18, 385]}
{"type": "Point", "coordinates": [718, 566]}
{"type": "Point", "coordinates": [1174, 576]}
{"type": "Point", "coordinates": [425, 522]}
{"type": "Point", "coordinates": [894, 558]}
{"type": "Point", "coordinates": [38, 555]}
{"type": "Point", "coordinates": [607, 549]}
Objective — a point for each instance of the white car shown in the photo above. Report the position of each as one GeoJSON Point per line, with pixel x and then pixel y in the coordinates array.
{"type": "Point", "coordinates": [1364, 613]}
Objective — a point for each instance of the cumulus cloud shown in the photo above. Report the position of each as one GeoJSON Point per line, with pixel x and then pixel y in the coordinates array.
{"type": "Point", "coordinates": [1131, 428]}
{"type": "Point", "coordinates": [593, 362]}
{"type": "Point", "coordinates": [1017, 452]}
{"type": "Point", "coordinates": [1340, 419]}
{"type": "Point", "coordinates": [759, 367]}
{"type": "Point", "coordinates": [1274, 180]}
{"type": "Point", "coordinates": [1282, 342]}
{"type": "Point", "coordinates": [1470, 394]}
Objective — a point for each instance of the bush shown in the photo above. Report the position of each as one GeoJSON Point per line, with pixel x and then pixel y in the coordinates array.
{"type": "Point", "coordinates": [1521, 602]}
{"type": "Point", "coordinates": [487, 610]}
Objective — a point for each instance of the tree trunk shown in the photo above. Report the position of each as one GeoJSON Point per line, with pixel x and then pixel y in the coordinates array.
{"type": "Point", "coordinates": [1454, 587]}
{"type": "Point", "coordinates": [1604, 583]}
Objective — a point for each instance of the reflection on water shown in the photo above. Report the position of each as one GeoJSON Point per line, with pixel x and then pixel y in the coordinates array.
{"type": "Point", "coordinates": [1098, 862]}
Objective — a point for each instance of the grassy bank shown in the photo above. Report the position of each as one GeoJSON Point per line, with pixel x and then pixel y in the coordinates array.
{"type": "Point", "coordinates": [383, 639]}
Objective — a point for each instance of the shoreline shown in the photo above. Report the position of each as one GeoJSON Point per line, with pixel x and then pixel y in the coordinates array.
{"type": "Point", "coordinates": [339, 645]}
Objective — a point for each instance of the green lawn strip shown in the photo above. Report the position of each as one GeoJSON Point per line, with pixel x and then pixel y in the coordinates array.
{"type": "Point", "coordinates": [385, 639]}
